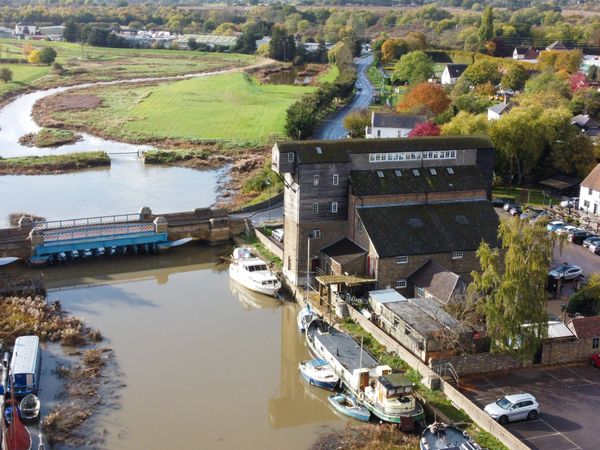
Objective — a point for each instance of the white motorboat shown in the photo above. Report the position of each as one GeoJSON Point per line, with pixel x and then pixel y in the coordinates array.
{"type": "Point", "coordinates": [305, 316]}
{"type": "Point", "coordinates": [253, 273]}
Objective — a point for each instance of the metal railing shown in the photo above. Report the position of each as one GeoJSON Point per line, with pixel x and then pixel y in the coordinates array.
{"type": "Point", "coordinates": [446, 370]}
{"type": "Point", "coordinates": [86, 221]}
{"type": "Point", "coordinates": [121, 229]}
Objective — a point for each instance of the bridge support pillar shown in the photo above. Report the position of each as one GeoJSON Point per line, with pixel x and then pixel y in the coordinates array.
{"type": "Point", "coordinates": [36, 238]}
{"type": "Point", "coordinates": [145, 214]}
{"type": "Point", "coordinates": [25, 223]}
{"type": "Point", "coordinates": [161, 225]}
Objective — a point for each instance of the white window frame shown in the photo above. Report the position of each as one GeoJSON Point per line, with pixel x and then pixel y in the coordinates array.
{"type": "Point", "coordinates": [420, 292]}
{"type": "Point", "coordinates": [401, 259]}
{"type": "Point", "coordinates": [400, 284]}
{"type": "Point", "coordinates": [291, 157]}
{"type": "Point", "coordinates": [334, 207]}
{"type": "Point", "coordinates": [315, 180]}
{"type": "Point", "coordinates": [315, 208]}
{"type": "Point", "coordinates": [450, 170]}
{"type": "Point", "coordinates": [315, 234]}
{"type": "Point", "coordinates": [458, 254]}
{"type": "Point", "coordinates": [432, 171]}
{"type": "Point", "coordinates": [336, 179]}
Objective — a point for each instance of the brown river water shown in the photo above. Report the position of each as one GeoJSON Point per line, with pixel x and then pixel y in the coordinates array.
{"type": "Point", "coordinates": [205, 363]}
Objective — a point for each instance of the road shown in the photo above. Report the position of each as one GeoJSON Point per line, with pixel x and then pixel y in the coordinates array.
{"type": "Point", "coordinates": [333, 127]}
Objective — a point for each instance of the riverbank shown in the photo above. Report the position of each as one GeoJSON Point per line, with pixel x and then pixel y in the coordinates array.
{"type": "Point", "coordinates": [55, 164]}
{"type": "Point", "coordinates": [49, 137]}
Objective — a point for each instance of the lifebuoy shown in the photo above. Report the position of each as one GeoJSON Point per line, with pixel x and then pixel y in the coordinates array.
{"type": "Point", "coordinates": [361, 396]}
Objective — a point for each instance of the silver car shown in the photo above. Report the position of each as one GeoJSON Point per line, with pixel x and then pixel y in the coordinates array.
{"type": "Point", "coordinates": [513, 407]}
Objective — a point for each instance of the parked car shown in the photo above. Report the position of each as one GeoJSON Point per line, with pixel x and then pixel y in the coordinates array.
{"type": "Point", "coordinates": [515, 210]}
{"type": "Point", "coordinates": [509, 204]}
{"type": "Point", "coordinates": [596, 360]}
{"type": "Point", "coordinates": [500, 202]}
{"type": "Point", "coordinates": [591, 240]}
{"type": "Point", "coordinates": [570, 203]}
{"type": "Point", "coordinates": [277, 234]}
{"type": "Point", "coordinates": [566, 272]}
{"type": "Point", "coordinates": [595, 247]}
{"type": "Point", "coordinates": [579, 236]}
{"type": "Point", "coordinates": [567, 229]}
{"type": "Point", "coordinates": [555, 225]}
{"type": "Point", "coordinates": [513, 407]}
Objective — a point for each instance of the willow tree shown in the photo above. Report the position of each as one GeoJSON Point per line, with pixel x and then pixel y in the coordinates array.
{"type": "Point", "coordinates": [511, 287]}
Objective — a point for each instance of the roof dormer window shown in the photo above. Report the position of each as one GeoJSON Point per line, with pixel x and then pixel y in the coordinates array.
{"type": "Point", "coordinates": [450, 170]}
{"type": "Point", "coordinates": [416, 172]}
{"type": "Point", "coordinates": [433, 171]}
{"type": "Point", "coordinates": [380, 174]}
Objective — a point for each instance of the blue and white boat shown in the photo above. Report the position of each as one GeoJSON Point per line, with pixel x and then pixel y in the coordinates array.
{"type": "Point", "coordinates": [349, 406]}
{"type": "Point", "coordinates": [305, 316]}
{"type": "Point", "coordinates": [318, 373]}
{"type": "Point", "coordinates": [25, 366]}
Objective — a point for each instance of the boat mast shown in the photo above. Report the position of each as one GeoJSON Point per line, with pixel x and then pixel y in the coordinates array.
{"type": "Point", "coordinates": [362, 338]}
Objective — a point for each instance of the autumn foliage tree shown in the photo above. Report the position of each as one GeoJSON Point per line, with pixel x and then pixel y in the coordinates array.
{"type": "Point", "coordinates": [578, 81]}
{"type": "Point", "coordinates": [425, 97]}
{"type": "Point", "coordinates": [425, 129]}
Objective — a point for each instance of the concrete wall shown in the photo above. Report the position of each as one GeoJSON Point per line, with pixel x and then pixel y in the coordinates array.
{"type": "Point", "coordinates": [477, 415]}
{"type": "Point", "coordinates": [269, 244]}
{"type": "Point", "coordinates": [468, 364]}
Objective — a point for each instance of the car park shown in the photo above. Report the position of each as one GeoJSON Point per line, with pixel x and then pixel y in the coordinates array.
{"type": "Point", "coordinates": [595, 359]}
{"type": "Point", "coordinates": [566, 272]}
{"type": "Point", "coordinates": [277, 234]}
{"type": "Point", "coordinates": [513, 407]}
{"type": "Point", "coordinates": [579, 236]}
{"type": "Point", "coordinates": [589, 241]}
{"type": "Point", "coordinates": [555, 225]}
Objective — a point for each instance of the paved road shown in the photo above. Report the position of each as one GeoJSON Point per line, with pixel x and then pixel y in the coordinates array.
{"type": "Point", "coordinates": [333, 127]}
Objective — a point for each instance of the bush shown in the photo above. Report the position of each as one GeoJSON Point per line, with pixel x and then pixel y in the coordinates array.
{"type": "Point", "coordinates": [47, 55]}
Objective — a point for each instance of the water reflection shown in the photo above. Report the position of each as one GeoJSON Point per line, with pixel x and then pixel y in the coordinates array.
{"type": "Point", "coordinates": [124, 188]}
{"type": "Point", "coordinates": [203, 368]}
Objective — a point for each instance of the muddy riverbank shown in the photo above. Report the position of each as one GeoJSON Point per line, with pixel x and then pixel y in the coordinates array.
{"type": "Point", "coordinates": [59, 164]}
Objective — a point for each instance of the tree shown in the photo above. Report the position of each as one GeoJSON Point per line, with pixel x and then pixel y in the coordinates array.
{"type": "Point", "coordinates": [511, 287]}
{"type": "Point", "coordinates": [47, 55]}
{"type": "Point", "coordinates": [34, 57]}
{"type": "Point", "coordinates": [425, 129]}
{"type": "Point", "coordinates": [356, 122]}
{"type": "Point", "coordinates": [425, 97]}
{"type": "Point", "coordinates": [485, 32]}
{"type": "Point", "coordinates": [414, 67]}
{"type": "Point", "coordinates": [392, 49]}
{"type": "Point", "coordinates": [593, 73]}
{"type": "Point", "coordinates": [192, 44]}
{"type": "Point", "coordinates": [6, 74]}
{"type": "Point", "coordinates": [586, 300]}
{"type": "Point", "coordinates": [72, 31]}
{"type": "Point", "coordinates": [282, 46]}
{"type": "Point", "coordinates": [578, 81]}
{"type": "Point", "coordinates": [576, 156]}
{"type": "Point", "coordinates": [466, 124]}
{"type": "Point", "coordinates": [514, 78]}
{"type": "Point", "coordinates": [301, 121]}
{"type": "Point", "coordinates": [340, 55]}
{"type": "Point", "coordinates": [482, 71]}
{"type": "Point", "coordinates": [548, 81]}
{"type": "Point", "coordinates": [27, 49]}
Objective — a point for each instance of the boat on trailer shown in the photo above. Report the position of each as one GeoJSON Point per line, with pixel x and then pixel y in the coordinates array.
{"type": "Point", "coordinates": [388, 396]}
{"type": "Point", "coordinates": [439, 436]}
{"type": "Point", "coordinates": [318, 373]}
{"type": "Point", "coordinates": [305, 316]}
{"type": "Point", "coordinates": [348, 405]}
{"type": "Point", "coordinates": [253, 273]}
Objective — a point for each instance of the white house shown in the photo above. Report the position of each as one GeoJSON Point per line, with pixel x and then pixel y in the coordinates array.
{"type": "Point", "coordinates": [529, 54]}
{"type": "Point", "coordinates": [494, 112]}
{"type": "Point", "coordinates": [24, 28]}
{"type": "Point", "coordinates": [392, 125]}
{"type": "Point", "coordinates": [589, 192]}
{"type": "Point", "coordinates": [452, 72]}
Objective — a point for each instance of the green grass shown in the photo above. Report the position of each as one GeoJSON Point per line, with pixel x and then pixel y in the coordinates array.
{"type": "Point", "coordinates": [263, 252]}
{"type": "Point", "coordinates": [23, 75]}
{"type": "Point", "coordinates": [330, 75]}
{"type": "Point", "coordinates": [172, 157]}
{"type": "Point", "coordinates": [534, 197]}
{"type": "Point", "coordinates": [53, 163]}
{"type": "Point", "coordinates": [230, 107]}
{"type": "Point", "coordinates": [53, 137]}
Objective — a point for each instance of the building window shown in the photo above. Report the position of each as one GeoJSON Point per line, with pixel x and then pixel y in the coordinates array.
{"type": "Point", "coordinates": [380, 174]}
{"type": "Point", "coordinates": [590, 192]}
{"type": "Point", "coordinates": [407, 329]}
{"type": "Point", "coordinates": [596, 342]}
{"type": "Point", "coordinates": [336, 179]}
{"type": "Point", "coordinates": [378, 133]}
{"type": "Point", "coordinates": [315, 180]}
{"type": "Point", "coordinates": [457, 255]}
{"type": "Point", "coordinates": [315, 208]}
{"type": "Point", "coordinates": [398, 172]}
{"type": "Point", "coordinates": [416, 172]}
{"type": "Point", "coordinates": [401, 259]}
{"type": "Point", "coordinates": [290, 157]}
{"type": "Point", "coordinates": [315, 234]}
{"type": "Point", "coordinates": [450, 170]}
{"type": "Point", "coordinates": [396, 321]}
{"type": "Point", "coordinates": [334, 207]}
{"type": "Point", "coordinates": [400, 284]}
{"type": "Point", "coordinates": [586, 204]}
{"type": "Point", "coordinates": [289, 263]}
{"type": "Point", "coordinates": [433, 171]}
{"type": "Point", "coordinates": [420, 292]}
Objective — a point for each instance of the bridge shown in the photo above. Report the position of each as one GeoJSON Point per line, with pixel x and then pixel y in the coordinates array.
{"type": "Point", "coordinates": [144, 232]}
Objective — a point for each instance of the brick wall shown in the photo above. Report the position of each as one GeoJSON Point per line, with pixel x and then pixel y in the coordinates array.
{"type": "Point", "coordinates": [468, 364]}
{"type": "Point", "coordinates": [563, 352]}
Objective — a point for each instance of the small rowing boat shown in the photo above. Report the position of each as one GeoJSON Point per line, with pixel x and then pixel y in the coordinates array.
{"type": "Point", "coordinates": [349, 406]}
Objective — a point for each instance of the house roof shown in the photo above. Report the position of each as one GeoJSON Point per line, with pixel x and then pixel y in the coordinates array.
{"type": "Point", "coordinates": [502, 107]}
{"type": "Point", "coordinates": [432, 228]}
{"type": "Point", "coordinates": [593, 179]}
{"type": "Point", "coordinates": [386, 296]}
{"type": "Point", "coordinates": [344, 251]}
{"type": "Point", "coordinates": [383, 120]}
{"type": "Point", "coordinates": [560, 182]}
{"type": "Point", "coordinates": [404, 181]}
{"type": "Point", "coordinates": [584, 121]}
{"type": "Point", "coordinates": [456, 70]}
{"type": "Point", "coordinates": [585, 327]}
{"type": "Point", "coordinates": [339, 150]}
{"type": "Point", "coordinates": [557, 329]}
{"type": "Point", "coordinates": [437, 280]}
{"type": "Point", "coordinates": [425, 316]}
{"type": "Point", "coordinates": [556, 45]}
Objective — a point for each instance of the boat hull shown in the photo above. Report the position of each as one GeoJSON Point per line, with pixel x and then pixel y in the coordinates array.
{"type": "Point", "coordinates": [330, 386]}
{"type": "Point", "coordinates": [266, 290]}
{"type": "Point", "coordinates": [359, 412]}
{"type": "Point", "coordinates": [305, 316]}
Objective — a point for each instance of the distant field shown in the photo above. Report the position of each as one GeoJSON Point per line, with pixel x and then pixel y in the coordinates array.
{"type": "Point", "coordinates": [104, 64]}
{"type": "Point", "coordinates": [233, 107]}
{"type": "Point", "coordinates": [23, 75]}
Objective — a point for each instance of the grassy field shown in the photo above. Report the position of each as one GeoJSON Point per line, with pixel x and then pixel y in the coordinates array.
{"type": "Point", "coordinates": [534, 197]}
{"type": "Point", "coordinates": [230, 107]}
{"type": "Point", "coordinates": [33, 165]}
{"type": "Point", "coordinates": [330, 75]}
{"type": "Point", "coordinates": [85, 64]}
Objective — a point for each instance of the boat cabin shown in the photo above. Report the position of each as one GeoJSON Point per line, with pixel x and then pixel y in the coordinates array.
{"type": "Point", "coordinates": [393, 385]}
{"type": "Point", "coordinates": [255, 265]}
{"type": "Point", "coordinates": [25, 366]}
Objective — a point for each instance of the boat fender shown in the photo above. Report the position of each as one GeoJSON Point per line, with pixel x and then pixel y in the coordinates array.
{"type": "Point", "coordinates": [361, 396]}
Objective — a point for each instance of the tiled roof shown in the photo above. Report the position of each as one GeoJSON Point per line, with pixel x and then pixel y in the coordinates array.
{"type": "Point", "coordinates": [456, 70]}
{"type": "Point", "coordinates": [339, 150]}
{"type": "Point", "coordinates": [501, 108]}
{"type": "Point", "coordinates": [584, 121]}
{"type": "Point", "coordinates": [344, 251]}
{"type": "Point", "coordinates": [437, 280]}
{"type": "Point", "coordinates": [430, 228]}
{"type": "Point", "coordinates": [382, 120]}
{"type": "Point", "coordinates": [585, 327]}
{"type": "Point", "coordinates": [593, 179]}
{"type": "Point", "coordinates": [404, 181]}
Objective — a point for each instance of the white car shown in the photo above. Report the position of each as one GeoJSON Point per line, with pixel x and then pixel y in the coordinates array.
{"type": "Point", "coordinates": [513, 407]}
{"type": "Point", "coordinates": [567, 229]}
{"type": "Point", "coordinates": [277, 234]}
{"type": "Point", "coordinates": [570, 203]}
{"type": "Point", "coordinates": [566, 272]}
